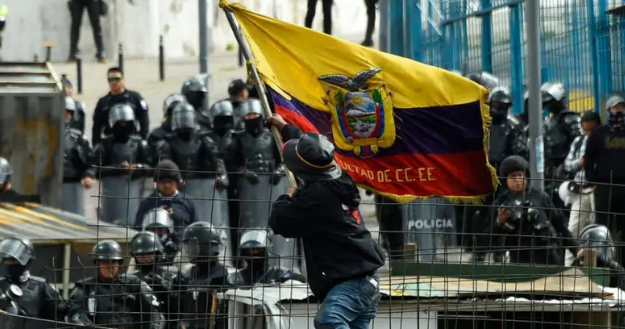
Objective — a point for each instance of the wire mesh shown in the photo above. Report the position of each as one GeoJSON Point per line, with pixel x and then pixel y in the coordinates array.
{"type": "Point", "coordinates": [447, 265]}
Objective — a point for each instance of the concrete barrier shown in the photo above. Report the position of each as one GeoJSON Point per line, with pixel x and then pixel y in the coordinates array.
{"type": "Point", "coordinates": [138, 23]}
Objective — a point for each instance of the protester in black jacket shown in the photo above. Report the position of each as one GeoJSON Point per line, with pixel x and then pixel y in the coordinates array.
{"type": "Point", "coordinates": [180, 207]}
{"type": "Point", "coordinates": [341, 256]}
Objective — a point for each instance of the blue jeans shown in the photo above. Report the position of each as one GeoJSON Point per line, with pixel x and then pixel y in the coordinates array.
{"type": "Point", "coordinates": [350, 305]}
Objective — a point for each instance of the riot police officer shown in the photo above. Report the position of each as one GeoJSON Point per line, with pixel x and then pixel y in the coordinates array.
{"type": "Point", "coordinates": [534, 228]}
{"type": "Point", "coordinates": [159, 222]}
{"type": "Point", "coordinates": [255, 251]}
{"type": "Point", "coordinates": [78, 117]}
{"type": "Point", "coordinates": [223, 134]}
{"type": "Point", "coordinates": [391, 220]}
{"type": "Point", "coordinates": [206, 276]}
{"type": "Point", "coordinates": [195, 91]}
{"type": "Point", "coordinates": [39, 298]}
{"type": "Point", "coordinates": [111, 298]}
{"type": "Point", "coordinates": [7, 192]}
{"type": "Point", "coordinates": [119, 95]}
{"type": "Point", "coordinates": [148, 253]}
{"type": "Point", "coordinates": [258, 158]}
{"type": "Point", "coordinates": [78, 173]}
{"type": "Point", "coordinates": [122, 159]}
{"type": "Point", "coordinates": [560, 131]}
{"type": "Point", "coordinates": [158, 134]}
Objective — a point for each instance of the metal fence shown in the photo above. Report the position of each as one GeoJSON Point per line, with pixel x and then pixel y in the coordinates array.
{"type": "Point", "coordinates": [581, 42]}
{"type": "Point", "coordinates": [429, 281]}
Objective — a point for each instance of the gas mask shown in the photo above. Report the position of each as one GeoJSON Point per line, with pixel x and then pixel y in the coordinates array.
{"type": "Point", "coordinates": [616, 119]}
{"type": "Point", "coordinates": [222, 124]}
{"type": "Point", "coordinates": [15, 271]}
{"type": "Point", "coordinates": [196, 99]}
{"type": "Point", "coordinates": [254, 126]}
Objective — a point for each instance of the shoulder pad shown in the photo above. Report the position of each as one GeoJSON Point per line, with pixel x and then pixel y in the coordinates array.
{"type": "Point", "coordinates": [38, 279]}
{"type": "Point", "coordinates": [128, 278]}
{"type": "Point", "coordinates": [75, 132]}
{"type": "Point", "coordinates": [84, 282]}
{"type": "Point", "coordinates": [513, 120]}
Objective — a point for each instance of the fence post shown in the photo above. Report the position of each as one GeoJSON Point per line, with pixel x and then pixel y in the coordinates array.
{"type": "Point", "coordinates": [413, 30]}
{"type": "Point", "coordinates": [397, 27]}
{"type": "Point", "coordinates": [487, 37]}
{"type": "Point", "coordinates": [592, 38]}
{"type": "Point", "coordinates": [604, 53]}
{"type": "Point", "coordinates": [516, 60]}
{"type": "Point", "coordinates": [120, 57]}
{"type": "Point", "coordinates": [161, 58]}
{"type": "Point", "coordinates": [384, 27]}
{"type": "Point", "coordinates": [79, 74]}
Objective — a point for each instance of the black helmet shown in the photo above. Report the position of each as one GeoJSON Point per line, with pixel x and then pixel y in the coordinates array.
{"type": "Point", "coordinates": [121, 112]}
{"type": "Point", "coordinates": [158, 218]}
{"type": "Point", "coordinates": [21, 250]}
{"type": "Point", "coordinates": [167, 169]}
{"type": "Point", "coordinates": [597, 237]}
{"type": "Point", "coordinates": [183, 117]}
{"type": "Point", "coordinates": [251, 106]}
{"type": "Point", "coordinates": [500, 94]}
{"type": "Point", "coordinates": [254, 239]}
{"type": "Point", "coordinates": [222, 108]}
{"type": "Point", "coordinates": [171, 102]}
{"type": "Point", "coordinates": [552, 91]}
{"type": "Point", "coordinates": [146, 243]}
{"type": "Point", "coordinates": [5, 171]}
{"type": "Point", "coordinates": [201, 240]}
{"type": "Point", "coordinates": [107, 250]}
{"type": "Point", "coordinates": [195, 91]}
{"type": "Point", "coordinates": [511, 164]}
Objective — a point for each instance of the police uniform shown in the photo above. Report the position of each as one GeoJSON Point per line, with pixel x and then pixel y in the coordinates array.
{"type": "Point", "coordinates": [159, 222]}
{"type": "Point", "coordinates": [205, 277]}
{"type": "Point", "coordinates": [158, 134]}
{"type": "Point", "coordinates": [39, 299]}
{"type": "Point", "coordinates": [125, 301]}
{"type": "Point", "coordinates": [104, 107]}
{"type": "Point", "coordinates": [196, 93]}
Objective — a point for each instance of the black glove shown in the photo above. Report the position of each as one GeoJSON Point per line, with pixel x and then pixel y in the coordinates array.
{"type": "Point", "coordinates": [251, 177]}
{"type": "Point", "coordinates": [154, 279]}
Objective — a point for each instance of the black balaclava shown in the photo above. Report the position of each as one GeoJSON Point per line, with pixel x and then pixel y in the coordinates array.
{"type": "Point", "coordinates": [196, 99]}
{"type": "Point", "coordinates": [499, 113]}
{"type": "Point", "coordinates": [256, 267]}
{"type": "Point", "coordinates": [185, 133]}
{"type": "Point", "coordinates": [254, 126]}
{"type": "Point", "coordinates": [554, 106]}
{"type": "Point", "coordinates": [616, 119]}
{"type": "Point", "coordinates": [16, 271]}
{"type": "Point", "coordinates": [121, 133]}
{"type": "Point", "coordinates": [222, 124]}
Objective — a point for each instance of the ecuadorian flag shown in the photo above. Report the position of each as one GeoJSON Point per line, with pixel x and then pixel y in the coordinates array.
{"type": "Point", "coordinates": [401, 128]}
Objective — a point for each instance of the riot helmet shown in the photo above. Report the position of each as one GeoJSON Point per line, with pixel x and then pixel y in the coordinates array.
{"type": "Point", "coordinates": [484, 79]}
{"type": "Point", "coordinates": [500, 101]}
{"type": "Point", "coordinates": [254, 243]}
{"type": "Point", "coordinates": [201, 242]}
{"type": "Point", "coordinates": [16, 255]}
{"type": "Point", "coordinates": [616, 111]}
{"type": "Point", "coordinates": [21, 250]}
{"type": "Point", "coordinates": [107, 255]}
{"type": "Point", "coordinates": [5, 174]}
{"type": "Point", "coordinates": [195, 91]}
{"type": "Point", "coordinates": [183, 120]}
{"type": "Point", "coordinates": [159, 222]}
{"type": "Point", "coordinates": [122, 121]}
{"type": "Point", "coordinates": [146, 243]}
{"type": "Point", "coordinates": [597, 237]}
{"type": "Point", "coordinates": [553, 97]}
{"type": "Point", "coordinates": [170, 103]}
{"type": "Point", "coordinates": [70, 108]}
{"type": "Point", "coordinates": [253, 115]}
{"type": "Point", "coordinates": [222, 114]}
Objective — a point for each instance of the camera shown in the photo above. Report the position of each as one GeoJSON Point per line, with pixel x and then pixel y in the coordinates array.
{"type": "Point", "coordinates": [524, 218]}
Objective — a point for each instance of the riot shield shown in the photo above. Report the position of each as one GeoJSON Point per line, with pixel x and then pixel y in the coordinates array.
{"type": "Point", "coordinates": [73, 198]}
{"type": "Point", "coordinates": [120, 199]}
{"type": "Point", "coordinates": [288, 253]}
{"type": "Point", "coordinates": [211, 205]}
{"type": "Point", "coordinates": [10, 321]}
{"type": "Point", "coordinates": [432, 226]}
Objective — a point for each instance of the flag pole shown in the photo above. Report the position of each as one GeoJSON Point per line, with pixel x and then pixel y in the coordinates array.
{"type": "Point", "coordinates": [251, 68]}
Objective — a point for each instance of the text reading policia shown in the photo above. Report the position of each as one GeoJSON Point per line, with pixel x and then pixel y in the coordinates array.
{"type": "Point", "coordinates": [399, 175]}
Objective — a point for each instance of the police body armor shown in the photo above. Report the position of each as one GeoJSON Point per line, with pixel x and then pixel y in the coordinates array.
{"type": "Point", "coordinates": [200, 305]}
{"type": "Point", "coordinates": [30, 302]}
{"type": "Point", "coordinates": [500, 145]}
{"type": "Point", "coordinates": [166, 289]}
{"type": "Point", "coordinates": [75, 159]}
{"type": "Point", "coordinates": [125, 190]}
{"type": "Point", "coordinates": [560, 131]}
{"type": "Point", "coordinates": [113, 304]}
{"type": "Point", "coordinates": [392, 222]}
{"type": "Point", "coordinates": [260, 154]}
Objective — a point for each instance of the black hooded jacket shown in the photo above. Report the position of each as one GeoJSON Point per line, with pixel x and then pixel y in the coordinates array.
{"type": "Point", "coordinates": [337, 246]}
